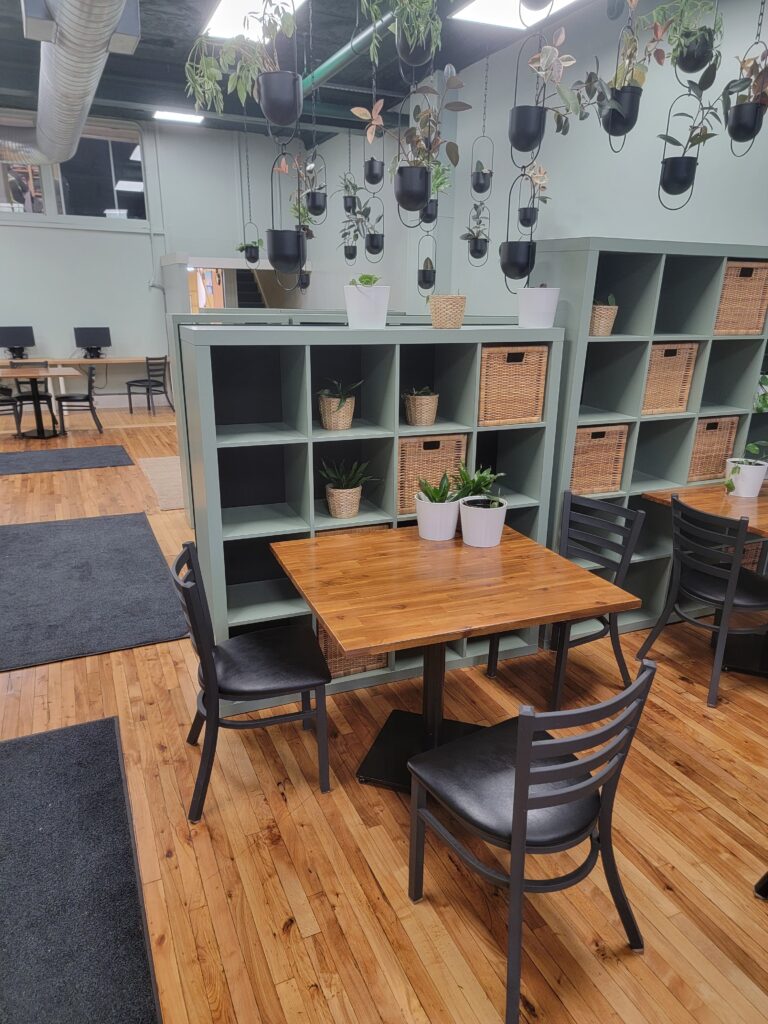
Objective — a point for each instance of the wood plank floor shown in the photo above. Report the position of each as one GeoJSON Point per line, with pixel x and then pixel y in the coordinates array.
{"type": "Point", "coordinates": [286, 906]}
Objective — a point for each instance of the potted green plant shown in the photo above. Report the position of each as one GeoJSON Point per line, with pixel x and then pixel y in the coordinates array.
{"type": "Point", "coordinates": [527, 216]}
{"type": "Point", "coordinates": [420, 406]}
{"type": "Point", "coordinates": [761, 395]}
{"type": "Point", "coordinates": [744, 477]}
{"type": "Point", "coordinates": [476, 233]}
{"type": "Point", "coordinates": [426, 274]}
{"type": "Point", "coordinates": [745, 98]}
{"type": "Point", "coordinates": [441, 182]}
{"type": "Point", "coordinates": [344, 487]}
{"type": "Point", "coordinates": [437, 510]}
{"type": "Point", "coordinates": [604, 313]}
{"type": "Point", "coordinates": [481, 178]}
{"type": "Point", "coordinates": [527, 122]}
{"type": "Point", "coordinates": [367, 302]}
{"type": "Point", "coordinates": [626, 86]}
{"type": "Point", "coordinates": [313, 188]}
{"type": "Point", "coordinates": [678, 173]}
{"type": "Point", "coordinates": [250, 67]}
{"type": "Point", "coordinates": [349, 189]}
{"type": "Point", "coordinates": [537, 307]}
{"type": "Point", "coordinates": [251, 250]}
{"type": "Point", "coordinates": [482, 512]}
{"type": "Point", "coordinates": [694, 30]}
{"type": "Point", "coordinates": [336, 403]}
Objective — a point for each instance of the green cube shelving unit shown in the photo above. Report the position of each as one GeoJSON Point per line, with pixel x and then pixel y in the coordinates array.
{"type": "Point", "coordinates": [665, 292]}
{"type": "Point", "coordinates": [254, 448]}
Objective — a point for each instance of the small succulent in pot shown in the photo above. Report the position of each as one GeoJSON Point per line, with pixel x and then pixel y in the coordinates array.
{"type": "Point", "coordinates": [427, 274]}
{"type": "Point", "coordinates": [336, 402]}
{"type": "Point", "coordinates": [481, 178]}
{"type": "Point", "coordinates": [251, 250]}
{"type": "Point", "coordinates": [437, 510]}
{"type": "Point", "coordinates": [604, 313]}
{"type": "Point", "coordinates": [482, 512]}
{"type": "Point", "coordinates": [476, 233]}
{"type": "Point", "coordinates": [344, 486]}
{"type": "Point", "coordinates": [349, 189]}
{"type": "Point", "coordinates": [420, 406]}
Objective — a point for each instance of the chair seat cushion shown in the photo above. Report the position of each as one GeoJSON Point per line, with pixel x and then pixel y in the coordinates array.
{"type": "Point", "coordinates": [269, 661]}
{"type": "Point", "coordinates": [72, 398]}
{"type": "Point", "coordinates": [474, 778]}
{"type": "Point", "coordinates": [751, 589]}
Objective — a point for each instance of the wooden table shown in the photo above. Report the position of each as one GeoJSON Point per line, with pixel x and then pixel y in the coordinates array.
{"type": "Point", "coordinates": [389, 590]}
{"type": "Point", "coordinates": [34, 374]}
{"type": "Point", "coordinates": [85, 361]}
{"type": "Point", "coordinates": [715, 500]}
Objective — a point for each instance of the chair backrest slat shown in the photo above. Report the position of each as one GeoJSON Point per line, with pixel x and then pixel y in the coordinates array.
{"type": "Point", "coordinates": [600, 531]}
{"type": "Point", "coordinates": [709, 544]}
{"type": "Point", "coordinates": [577, 790]}
{"type": "Point", "coordinates": [542, 772]}
{"type": "Point", "coordinates": [157, 367]}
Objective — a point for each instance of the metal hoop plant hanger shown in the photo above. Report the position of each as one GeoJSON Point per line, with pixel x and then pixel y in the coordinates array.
{"type": "Point", "coordinates": [534, 5]}
{"type": "Point", "coordinates": [627, 29]}
{"type": "Point", "coordinates": [528, 121]}
{"type": "Point", "coordinates": [250, 222]}
{"type": "Point", "coordinates": [426, 278]}
{"type": "Point", "coordinates": [373, 168]}
{"type": "Point", "coordinates": [482, 222]}
{"type": "Point", "coordinates": [289, 253]}
{"type": "Point", "coordinates": [680, 177]}
{"type": "Point", "coordinates": [760, 109]}
{"type": "Point", "coordinates": [518, 256]}
{"type": "Point", "coordinates": [378, 247]}
{"type": "Point", "coordinates": [481, 182]}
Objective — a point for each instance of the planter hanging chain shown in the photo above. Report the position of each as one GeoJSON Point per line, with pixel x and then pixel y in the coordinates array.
{"type": "Point", "coordinates": [521, 175]}
{"type": "Point", "coordinates": [682, 96]}
{"type": "Point", "coordinates": [427, 289]}
{"type": "Point", "coordinates": [758, 41]}
{"type": "Point", "coordinates": [479, 138]}
{"type": "Point", "coordinates": [539, 94]}
{"type": "Point", "coordinates": [250, 222]}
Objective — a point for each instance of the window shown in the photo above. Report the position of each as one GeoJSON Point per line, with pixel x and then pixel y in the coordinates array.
{"type": "Point", "coordinates": [103, 179]}
{"type": "Point", "coordinates": [21, 189]}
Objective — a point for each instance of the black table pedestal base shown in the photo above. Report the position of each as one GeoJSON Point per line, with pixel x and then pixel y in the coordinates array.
{"type": "Point", "coordinates": [761, 887]}
{"type": "Point", "coordinates": [45, 433]}
{"type": "Point", "coordinates": [402, 736]}
{"type": "Point", "coordinates": [747, 653]}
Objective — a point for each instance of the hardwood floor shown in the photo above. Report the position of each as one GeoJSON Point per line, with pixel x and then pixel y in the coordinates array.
{"type": "Point", "coordinates": [286, 906]}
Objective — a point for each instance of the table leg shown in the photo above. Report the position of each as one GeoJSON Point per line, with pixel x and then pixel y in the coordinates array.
{"type": "Point", "coordinates": [405, 733]}
{"type": "Point", "coordinates": [40, 430]}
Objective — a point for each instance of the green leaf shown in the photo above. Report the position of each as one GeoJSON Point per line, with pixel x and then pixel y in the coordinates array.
{"type": "Point", "coordinates": [670, 140]}
{"type": "Point", "coordinates": [452, 152]}
{"type": "Point", "coordinates": [708, 76]}
{"type": "Point", "coordinates": [458, 105]}
{"type": "Point", "coordinates": [454, 82]}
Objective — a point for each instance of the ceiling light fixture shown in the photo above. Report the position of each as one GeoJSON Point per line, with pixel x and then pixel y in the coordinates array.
{"type": "Point", "coordinates": [506, 13]}
{"type": "Point", "coordinates": [228, 20]}
{"type": "Point", "coordinates": [172, 115]}
{"type": "Point", "coordinates": [129, 186]}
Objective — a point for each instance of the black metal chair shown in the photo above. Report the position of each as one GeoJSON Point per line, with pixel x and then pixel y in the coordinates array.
{"type": "Point", "coordinates": [71, 402]}
{"type": "Point", "coordinates": [706, 568]}
{"type": "Point", "coordinates": [268, 663]}
{"type": "Point", "coordinates": [519, 788]}
{"type": "Point", "coordinates": [9, 406]}
{"type": "Point", "coordinates": [24, 395]}
{"type": "Point", "coordinates": [155, 383]}
{"type": "Point", "coordinates": [604, 535]}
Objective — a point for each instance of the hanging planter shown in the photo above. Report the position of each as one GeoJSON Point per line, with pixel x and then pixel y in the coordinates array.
{"type": "Point", "coordinates": [481, 180]}
{"type": "Point", "coordinates": [517, 259]}
{"type": "Point", "coordinates": [478, 248]}
{"type": "Point", "coordinates": [372, 227]}
{"type": "Point", "coordinates": [618, 123]}
{"type": "Point", "coordinates": [526, 127]}
{"type": "Point", "coordinates": [304, 279]}
{"type": "Point", "coordinates": [429, 214]}
{"type": "Point", "coordinates": [374, 243]}
{"type": "Point", "coordinates": [527, 216]}
{"type": "Point", "coordinates": [350, 253]}
{"type": "Point", "coordinates": [745, 99]}
{"type": "Point", "coordinates": [280, 97]}
{"type": "Point", "coordinates": [374, 171]}
{"type": "Point", "coordinates": [415, 54]}
{"type": "Point", "coordinates": [413, 186]}
{"type": "Point", "coordinates": [744, 121]}
{"type": "Point", "coordinates": [426, 274]}
{"type": "Point", "coordinates": [349, 204]}
{"type": "Point", "coordinates": [697, 53]}
{"type": "Point", "coordinates": [286, 249]}
{"type": "Point", "coordinates": [317, 202]}
{"type": "Point", "coordinates": [250, 250]}
{"type": "Point", "coordinates": [478, 233]}
{"type": "Point", "coordinates": [678, 174]}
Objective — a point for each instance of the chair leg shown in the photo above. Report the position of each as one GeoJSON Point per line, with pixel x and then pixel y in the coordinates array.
{"type": "Point", "coordinates": [613, 629]}
{"type": "Point", "coordinates": [96, 419]}
{"type": "Point", "coordinates": [149, 400]}
{"type": "Point", "coordinates": [54, 421]}
{"type": "Point", "coordinates": [17, 418]}
{"type": "Point", "coordinates": [718, 620]}
{"type": "Point", "coordinates": [168, 399]}
{"type": "Point", "coordinates": [655, 632]}
{"type": "Point", "coordinates": [717, 662]}
{"type": "Point", "coordinates": [611, 869]}
{"type": "Point", "coordinates": [130, 400]}
{"type": "Point", "coordinates": [206, 767]}
{"type": "Point", "coordinates": [63, 430]}
{"type": "Point", "coordinates": [563, 638]}
{"type": "Point", "coordinates": [418, 837]}
{"type": "Point", "coordinates": [306, 706]}
{"type": "Point", "coordinates": [195, 729]}
{"type": "Point", "coordinates": [493, 657]}
{"type": "Point", "coordinates": [322, 739]}
{"type": "Point", "coordinates": [515, 936]}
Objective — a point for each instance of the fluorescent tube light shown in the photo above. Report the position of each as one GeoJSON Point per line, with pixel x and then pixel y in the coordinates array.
{"type": "Point", "coordinates": [228, 20]}
{"type": "Point", "coordinates": [129, 186]}
{"type": "Point", "coordinates": [136, 154]}
{"type": "Point", "coordinates": [172, 115]}
{"type": "Point", "coordinates": [506, 13]}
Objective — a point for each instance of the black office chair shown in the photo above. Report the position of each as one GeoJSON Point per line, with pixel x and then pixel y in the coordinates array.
{"type": "Point", "coordinates": [706, 567]}
{"type": "Point", "coordinates": [155, 383]}
{"type": "Point", "coordinates": [24, 394]}
{"type": "Point", "coordinates": [70, 403]}
{"type": "Point", "coordinates": [9, 406]}
{"type": "Point", "coordinates": [519, 788]}
{"type": "Point", "coordinates": [268, 663]}
{"type": "Point", "coordinates": [605, 535]}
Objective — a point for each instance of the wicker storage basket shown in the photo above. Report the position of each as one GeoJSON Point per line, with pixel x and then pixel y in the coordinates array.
{"type": "Point", "coordinates": [343, 503]}
{"type": "Point", "coordinates": [447, 310]}
{"type": "Point", "coordinates": [602, 320]}
{"type": "Point", "coordinates": [713, 445]}
{"type": "Point", "coordinates": [513, 379]}
{"type": "Point", "coordinates": [333, 418]}
{"type": "Point", "coordinates": [751, 557]}
{"type": "Point", "coordinates": [670, 372]}
{"type": "Point", "coordinates": [744, 298]}
{"type": "Point", "coordinates": [598, 459]}
{"type": "Point", "coordinates": [426, 458]}
{"type": "Point", "coordinates": [420, 410]}
{"type": "Point", "coordinates": [341, 664]}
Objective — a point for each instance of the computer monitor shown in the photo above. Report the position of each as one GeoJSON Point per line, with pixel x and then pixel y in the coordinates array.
{"type": "Point", "coordinates": [92, 340]}
{"type": "Point", "coordinates": [17, 340]}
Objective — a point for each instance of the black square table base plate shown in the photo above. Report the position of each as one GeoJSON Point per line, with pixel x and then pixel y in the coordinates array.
{"type": "Point", "coordinates": [402, 736]}
{"type": "Point", "coordinates": [748, 654]}
{"type": "Point", "coordinates": [36, 433]}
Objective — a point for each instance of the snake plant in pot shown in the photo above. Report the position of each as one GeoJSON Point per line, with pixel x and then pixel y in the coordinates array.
{"type": "Point", "coordinates": [437, 510]}
{"type": "Point", "coordinates": [482, 512]}
{"type": "Point", "coordinates": [344, 486]}
{"type": "Point", "coordinates": [336, 403]}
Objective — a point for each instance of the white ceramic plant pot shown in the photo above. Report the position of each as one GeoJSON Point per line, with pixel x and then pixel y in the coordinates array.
{"type": "Point", "coordinates": [366, 307]}
{"type": "Point", "coordinates": [536, 307]}
{"type": "Point", "coordinates": [437, 520]}
{"type": "Point", "coordinates": [481, 527]}
{"type": "Point", "coordinates": [747, 479]}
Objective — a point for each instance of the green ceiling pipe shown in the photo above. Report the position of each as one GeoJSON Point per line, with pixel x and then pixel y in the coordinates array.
{"type": "Point", "coordinates": [343, 57]}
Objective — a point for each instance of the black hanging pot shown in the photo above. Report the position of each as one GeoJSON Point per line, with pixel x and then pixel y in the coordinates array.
{"type": "Point", "coordinates": [374, 171]}
{"type": "Point", "coordinates": [678, 174]}
{"type": "Point", "coordinates": [304, 276]}
{"type": "Point", "coordinates": [478, 248]}
{"type": "Point", "coordinates": [744, 121]}
{"type": "Point", "coordinates": [481, 182]}
{"type": "Point", "coordinates": [280, 96]}
{"type": "Point", "coordinates": [415, 56]}
{"type": "Point", "coordinates": [620, 122]}
{"type": "Point", "coordinates": [429, 213]}
{"type": "Point", "coordinates": [251, 253]}
{"type": "Point", "coordinates": [698, 53]}
{"type": "Point", "coordinates": [517, 258]}
{"type": "Point", "coordinates": [527, 216]}
{"type": "Point", "coordinates": [374, 243]}
{"type": "Point", "coordinates": [412, 187]}
{"type": "Point", "coordinates": [286, 249]}
{"type": "Point", "coordinates": [426, 279]}
{"type": "Point", "coordinates": [526, 127]}
{"type": "Point", "coordinates": [350, 252]}
{"type": "Point", "coordinates": [349, 204]}
{"type": "Point", "coordinates": [316, 203]}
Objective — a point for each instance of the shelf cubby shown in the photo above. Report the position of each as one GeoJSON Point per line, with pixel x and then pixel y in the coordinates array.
{"type": "Point", "coordinates": [257, 588]}
{"type": "Point", "coordinates": [378, 502]}
{"type": "Point", "coordinates": [518, 454]}
{"type": "Point", "coordinates": [259, 394]}
{"type": "Point", "coordinates": [732, 375]}
{"type": "Point", "coordinates": [690, 292]}
{"type": "Point", "coordinates": [375, 399]}
{"type": "Point", "coordinates": [264, 490]}
{"type": "Point", "coordinates": [655, 540]}
{"type": "Point", "coordinates": [451, 372]}
{"type": "Point", "coordinates": [614, 382]}
{"type": "Point", "coordinates": [662, 454]}
{"type": "Point", "coordinates": [633, 279]}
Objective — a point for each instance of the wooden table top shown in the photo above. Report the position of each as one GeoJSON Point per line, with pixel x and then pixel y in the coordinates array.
{"type": "Point", "coordinates": [107, 361]}
{"type": "Point", "coordinates": [37, 372]}
{"type": "Point", "coordinates": [389, 590]}
{"type": "Point", "coordinates": [714, 499]}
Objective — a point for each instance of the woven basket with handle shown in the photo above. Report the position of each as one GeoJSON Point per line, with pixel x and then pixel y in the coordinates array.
{"type": "Point", "coordinates": [715, 437]}
{"type": "Point", "coordinates": [602, 321]}
{"type": "Point", "coordinates": [744, 298]}
{"type": "Point", "coordinates": [426, 458]}
{"type": "Point", "coordinates": [598, 459]}
{"type": "Point", "coordinates": [343, 503]}
{"type": "Point", "coordinates": [447, 311]}
{"type": "Point", "coordinates": [670, 372]}
{"type": "Point", "coordinates": [513, 379]}
{"type": "Point", "coordinates": [420, 410]}
{"type": "Point", "coordinates": [334, 418]}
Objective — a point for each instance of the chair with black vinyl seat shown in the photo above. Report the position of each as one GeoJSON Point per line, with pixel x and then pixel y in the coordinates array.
{"type": "Point", "coordinates": [10, 406]}
{"type": "Point", "coordinates": [706, 568]}
{"type": "Point", "coordinates": [24, 395]}
{"type": "Point", "coordinates": [273, 662]}
{"type": "Point", "coordinates": [155, 383]}
{"type": "Point", "coordinates": [604, 535]}
{"type": "Point", "coordinates": [518, 787]}
{"type": "Point", "coordinates": [74, 401]}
